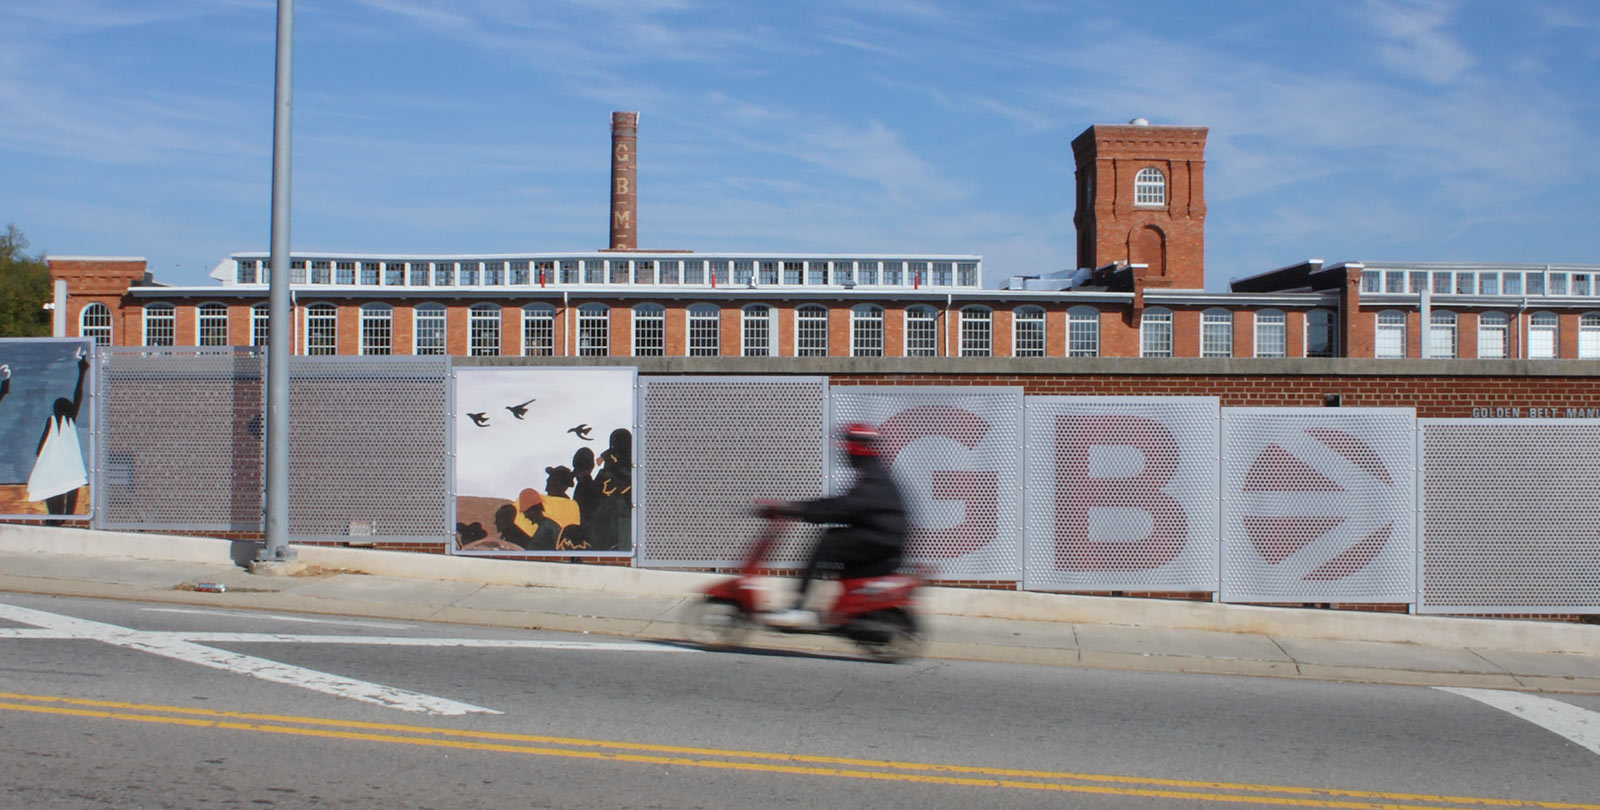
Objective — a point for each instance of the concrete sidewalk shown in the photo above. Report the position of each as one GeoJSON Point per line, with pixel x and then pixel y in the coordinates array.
{"type": "Point", "coordinates": [1001, 626]}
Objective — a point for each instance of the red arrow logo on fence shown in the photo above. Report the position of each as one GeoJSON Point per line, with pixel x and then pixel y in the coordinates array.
{"type": "Point", "coordinates": [1294, 481]}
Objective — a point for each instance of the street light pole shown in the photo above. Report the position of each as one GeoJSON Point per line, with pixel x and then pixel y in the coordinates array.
{"type": "Point", "coordinates": [276, 497]}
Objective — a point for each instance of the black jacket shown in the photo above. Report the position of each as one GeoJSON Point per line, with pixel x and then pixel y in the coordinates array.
{"type": "Point", "coordinates": [871, 513]}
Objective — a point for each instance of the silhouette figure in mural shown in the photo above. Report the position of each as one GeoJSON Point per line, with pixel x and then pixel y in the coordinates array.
{"type": "Point", "coordinates": [468, 533]}
{"type": "Point", "coordinates": [557, 506]}
{"type": "Point", "coordinates": [582, 432]}
{"type": "Point", "coordinates": [58, 470]}
{"type": "Point", "coordinates": [479, 419]}
{"type": "Point", "coordinates": [584, 489]}
{"type": "Point", "coordinates": [545, 531]}
{"type": "Point", "coordinates": [520, 411]}
{"type": "Point", "coordinates": [610, 528]}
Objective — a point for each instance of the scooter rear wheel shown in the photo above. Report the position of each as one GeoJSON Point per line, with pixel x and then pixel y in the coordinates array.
{"type": "Point", "coordinates": [889, 636]}
{"type": "Point", "coordinates": [715, 622]}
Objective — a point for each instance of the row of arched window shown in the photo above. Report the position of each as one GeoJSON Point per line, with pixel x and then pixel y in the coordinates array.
{"type": "Point", "coordinates": [757, 330]}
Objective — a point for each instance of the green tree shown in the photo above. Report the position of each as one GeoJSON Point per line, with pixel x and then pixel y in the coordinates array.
{"type": "Point", "coordinates": [24, 288]}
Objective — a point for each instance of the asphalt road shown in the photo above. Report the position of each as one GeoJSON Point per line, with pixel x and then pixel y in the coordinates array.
{"type": "Point", "coordinates": [129, 705]}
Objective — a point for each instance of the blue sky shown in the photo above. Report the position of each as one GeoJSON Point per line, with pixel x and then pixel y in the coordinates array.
{"type": "Point", "coordinates": [1421, 130]}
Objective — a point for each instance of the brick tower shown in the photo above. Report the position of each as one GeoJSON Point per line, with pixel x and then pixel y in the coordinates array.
{"type": "Point", "coordinates": [1141, 199]}
{"type": "Point", "coordinates": [624, 181]}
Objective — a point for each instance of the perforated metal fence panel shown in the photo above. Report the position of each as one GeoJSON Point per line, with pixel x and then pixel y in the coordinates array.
{"type": "Point", "coordinates": [1319, 505]}
{"type": "Point", "coordinates": [369, 448]}
{"type": "Point", "coordinates": [957, 455]}
{"type": "Point", "coordinates": [180, 439]}
{"type": "Point", "coordinates": [1510, 510]}
{"type": "Point", "coordinates": [1122, 494]}
{"type": "Point", "coordinates": [711, 446]}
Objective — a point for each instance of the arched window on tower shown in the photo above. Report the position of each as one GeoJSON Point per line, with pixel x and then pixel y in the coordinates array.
{"type": "Point", "coordinates": [1149, 187]}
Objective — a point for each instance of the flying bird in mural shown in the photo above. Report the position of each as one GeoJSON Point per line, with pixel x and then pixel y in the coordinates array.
{"type": "Point", "coordinates": [582, 431]}
{"type": "Point", "coordinates": [479, 419]}
{"type": "Point", "coordinates": [520, 411]}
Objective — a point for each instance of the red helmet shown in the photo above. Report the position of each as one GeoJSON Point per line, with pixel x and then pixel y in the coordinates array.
{"type": "Point", "coordinates": [859, 439]}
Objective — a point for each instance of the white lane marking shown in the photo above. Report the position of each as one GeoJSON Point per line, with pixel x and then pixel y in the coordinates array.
{"type": "Point", "coordinates": [164, 645]}
{"type": "Point", "coordinates": [280, 618]}
{"type": "Point", "coordinates": [209, 637]}
{"type": "Point", "coordinates": [403, 641]}
{"type": "Point", "coordinates": [1576, 723]}
{"type": "Point", "coordinates": [32, 632]}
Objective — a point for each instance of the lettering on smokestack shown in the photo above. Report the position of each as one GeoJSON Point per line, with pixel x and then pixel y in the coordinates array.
{"type": "Point", "coordinates": [624, 181]}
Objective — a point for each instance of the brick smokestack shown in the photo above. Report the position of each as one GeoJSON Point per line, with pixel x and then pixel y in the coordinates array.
{"type": "Point", "coordinates": [624, 181]}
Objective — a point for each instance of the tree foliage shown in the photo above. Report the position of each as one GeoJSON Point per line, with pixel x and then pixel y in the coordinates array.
{"type": "Point", "coordinates": [24, 288]}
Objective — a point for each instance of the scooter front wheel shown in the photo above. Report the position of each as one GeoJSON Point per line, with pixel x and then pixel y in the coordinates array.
{"type": "Point", "coordinates": [886, 635]}
{"type": "Point", "coordinates": [714, 622]}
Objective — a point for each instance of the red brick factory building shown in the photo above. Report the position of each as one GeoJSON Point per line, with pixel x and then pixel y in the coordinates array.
{"type": "Point", "coordinates": [1134, 318]}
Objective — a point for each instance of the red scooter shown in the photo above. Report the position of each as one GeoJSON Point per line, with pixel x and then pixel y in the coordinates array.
{"type": "Point", "coordinates": [874, 612]}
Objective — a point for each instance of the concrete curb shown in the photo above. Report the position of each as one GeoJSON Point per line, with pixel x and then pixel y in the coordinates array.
{"type": "Point", "coordinates": [1523, 636]}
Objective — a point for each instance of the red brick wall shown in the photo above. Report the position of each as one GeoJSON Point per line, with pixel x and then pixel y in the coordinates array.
{"type": "Point", "coordinates": [1431, 396]}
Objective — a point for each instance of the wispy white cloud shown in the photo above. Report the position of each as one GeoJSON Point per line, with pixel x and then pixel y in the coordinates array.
{"type": "Point", "coordinates": [1414, 40]}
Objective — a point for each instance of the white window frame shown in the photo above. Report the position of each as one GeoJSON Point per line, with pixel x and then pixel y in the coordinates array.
{"type": "Point", "coordinates": [1272, 333]}
{"type": "Point", "coordinates": [594, 330]}
{"type": "Point", "coordinates": [160, 325]}
{"type": "Point", "coordinates": [1544, 336]}
{"type": "Point", "coordinates": [1028, 332]}
{"type": "Point", "coordinates": [1155, 332]}
{"type": "Point", "coordinates": [811, 330]}
{"type": "Point", "coordinates": [377, 329]}
{"type": "Point", "coordinates": [757, 335]}
{"type": "Point", "coordinates": [976, 329]}
{"type": "Point", "coordinates": [483, 330]}
{"type": "Point", "coordinates": [1389, 337]}
{"type": "Point", "coordinates": [705, 330]}
{"type": "Point", "coordinates": [1216, 333]}
{"type": "Point", "coordinates": [425, 319]}
{"type": "Point", "coordinates": [1589, 335]}
{"type": "Point", "coordinates": [1083, 332]}
{"type": "Point", "coordinates": [649, 330]}
{"type": "Point", "coordinates": [207, 329]}
{"type": "Point", "coordinates": [1442, 333]}
{"type": "Point", "coordinates": [866, 331]}
{"type": "Point", "coordinates": [1494, 333]}
{"type": "Point", "coordinates": [1150, 187]}
{"type": "Point", "coordinates": [922, 331]}
{"type": "Point", "coordinates": [260, 324]}
{"type": "Point", "coordinates": [538, 330]}
{"type": "Point", "coordinates": [322, 329]}
{"type": "Point", "coordinates": [94, 322]}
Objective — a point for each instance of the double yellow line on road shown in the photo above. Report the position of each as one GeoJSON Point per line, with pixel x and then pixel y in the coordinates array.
{"type": "Point", "coordinates": [762, 761]}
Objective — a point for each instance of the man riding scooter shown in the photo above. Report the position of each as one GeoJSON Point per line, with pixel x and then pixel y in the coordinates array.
{"type": "Point", "coordinates": [869, 524]}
